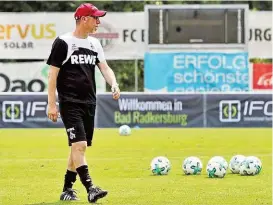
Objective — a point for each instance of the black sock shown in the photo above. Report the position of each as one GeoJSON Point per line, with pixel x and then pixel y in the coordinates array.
{"type": "Point", "coordinates": [69, 179]}
{"type": "Point", "coordinates": [85, 177]}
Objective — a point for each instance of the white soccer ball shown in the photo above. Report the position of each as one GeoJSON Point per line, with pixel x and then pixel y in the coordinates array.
{"type": "Point", "coordinates": [216, 170]}
{"type": "Point", "coordinates": [220, 160]}
{"type": "Point", "coordinates": [124, 130]}
{"type": "Point", "coordinates": [250, 166]}
{"type": "Point", "coordinates": [192, 165]}
{"type": "Point", "coordinates": [160, 165]}
{"type": "Point", "coordinates": [256, 159]}
{"type": "Point", "coordinates": [235, 163]}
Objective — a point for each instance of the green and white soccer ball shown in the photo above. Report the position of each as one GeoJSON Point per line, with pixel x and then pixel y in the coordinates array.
{"type": "Point", "coordinates": [235, 163]}
{"type": "Point", "coordinates": [124, 130]}
{"type": "Point", "coordinates": [256, 159]}
{"type": "Point", "coordinates": [216, 170]}
{"type": "Point", "coordinates": [192, 166]}
{"type": "Point", "coordinates": [220, 160]}
{"type": "Point", "coordinates": [250, 166]}
{"type": "Point", "coordinates": [160, 165]}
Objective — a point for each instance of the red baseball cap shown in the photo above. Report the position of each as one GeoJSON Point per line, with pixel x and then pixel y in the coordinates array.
{"type": "Point", "coordinates": [88, 10]}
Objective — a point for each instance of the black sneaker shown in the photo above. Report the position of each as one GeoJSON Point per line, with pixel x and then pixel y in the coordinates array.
{"type": "Point", "coordinates": [96, 193]}
{"type": "Point", "coordinates": [69, 195]}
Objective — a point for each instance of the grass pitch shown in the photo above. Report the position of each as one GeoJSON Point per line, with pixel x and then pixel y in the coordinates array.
{"type": "Point", "coordinates": [33, 163]}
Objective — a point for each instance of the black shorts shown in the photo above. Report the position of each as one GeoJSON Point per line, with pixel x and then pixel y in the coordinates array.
{"type": "Point", "coordinates": [78, 119]}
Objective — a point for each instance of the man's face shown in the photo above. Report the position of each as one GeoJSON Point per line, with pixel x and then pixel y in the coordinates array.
{"type": "Point", "coordinates": [91, 23]}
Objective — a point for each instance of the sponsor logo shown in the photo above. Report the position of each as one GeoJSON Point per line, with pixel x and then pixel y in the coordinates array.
{"type": "Point", "coordinates": [262, 76]}
{"type": "Point", "coordinates": [70, 132]}
{"type": "Point", "coordinates": [236, 111]}
{"type": "Point", "coordinates": [19, 111]}
{"type": "Point", "coordinates": [20, 85]}
{"type": "Point", "coordinates": [13, 111]}
{"type": "Point", "coordinates": [83, 59]}
{"type": "Point", "coordinates": [74, 47]}
{"type": "Point", "coordinates": [106, 35]}
{"type": "Point", "coordinates": [92, 46]}
{"type": "Point", "coordinates": [25, 35]}
{"type": "Point", "coordinates": [230, 111]}
{"type": "Point", "coordinates": [34, 80]}
{"type": "Point", "coordinates": [265, 80]}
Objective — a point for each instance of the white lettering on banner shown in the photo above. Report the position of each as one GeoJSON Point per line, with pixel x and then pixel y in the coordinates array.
{"type": "Point", "coordinates": [210, 77]}
{"type": "Point", "coordinates": [212, 61]}
{"type": "Point", "coordinates": [251, 106]}
{"type": "Point", "coordinates": [32, 108]}
{"type": "Point", "coordinates": [134, 104]}
{"type": "Point", "coordinates": [265, 79]}
{"type": "Point", "coordinates": [20, 38]}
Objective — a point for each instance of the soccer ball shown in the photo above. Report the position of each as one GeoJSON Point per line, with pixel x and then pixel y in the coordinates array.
{"type": "Point", "coordinates": [216, 170]}
{"type": "Point", "coordinates": [250, 166]}
{"type": "Point", "coordinates": [124, 130]}
{"type": "Point", "coordinates": [235, 163]}
{"type": "Point", "coordinates": [256, 159]}
{"type": "Point", "coordinates": [192, 165]}
{"type": "Point", "coordinates": [160, 166]}
{"type": "Point", "coordinates": [220, 160]}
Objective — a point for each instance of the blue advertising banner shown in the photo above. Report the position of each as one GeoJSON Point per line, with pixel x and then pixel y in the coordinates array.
{"type": "Point", "coordinates": [149, 110]}
{"type": "Point", "coordinates": [184, 72]}
{"type": "Point", "coordinates": [25, 111]}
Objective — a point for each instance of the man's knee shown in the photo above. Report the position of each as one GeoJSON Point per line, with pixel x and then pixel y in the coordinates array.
{"type": "Point", "coordinates": [79, 147]}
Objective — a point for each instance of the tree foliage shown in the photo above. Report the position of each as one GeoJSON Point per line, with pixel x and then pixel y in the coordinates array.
{"type": "Point", "coordinates": [124, 69]}
{"type": "Point", "coordinates": [114, 6]}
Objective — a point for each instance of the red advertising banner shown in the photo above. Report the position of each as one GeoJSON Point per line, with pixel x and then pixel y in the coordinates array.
{"type": "Point", "coordinates": [262, 76]}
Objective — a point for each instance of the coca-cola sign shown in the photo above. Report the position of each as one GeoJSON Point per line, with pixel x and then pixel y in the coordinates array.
{"type": "Point", "coordinates": [262, 76]}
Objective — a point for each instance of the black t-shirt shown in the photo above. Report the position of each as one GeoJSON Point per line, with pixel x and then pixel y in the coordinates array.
{"type": "Point", "coordinates": [77, 60]}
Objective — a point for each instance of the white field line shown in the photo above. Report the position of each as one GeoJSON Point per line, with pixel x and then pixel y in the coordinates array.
{"type": "Point", "coordinates": [108, 158]}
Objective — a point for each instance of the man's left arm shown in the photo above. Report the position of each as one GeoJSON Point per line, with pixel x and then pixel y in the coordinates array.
{"type": "Point", "coordinates": [110, 78]}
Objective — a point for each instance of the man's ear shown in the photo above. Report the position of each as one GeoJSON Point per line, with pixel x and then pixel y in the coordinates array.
{"type": "Point", "coordinates": [84, 18]}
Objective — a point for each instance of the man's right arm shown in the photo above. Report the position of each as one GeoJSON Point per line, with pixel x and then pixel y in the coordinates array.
{"type": "Point", "coordinates": [55, 60]}
{"type": "Point", "coordinates": [52, 82]}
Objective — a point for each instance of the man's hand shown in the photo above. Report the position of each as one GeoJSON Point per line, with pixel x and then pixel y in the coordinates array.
{"type": "Point", "coordinates": [115, 91]}
{"type": "Point", "coordinates": [52, 112]}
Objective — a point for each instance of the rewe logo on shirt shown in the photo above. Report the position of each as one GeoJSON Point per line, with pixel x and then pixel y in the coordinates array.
{"type": "Point", "coordinates": [83, 59]}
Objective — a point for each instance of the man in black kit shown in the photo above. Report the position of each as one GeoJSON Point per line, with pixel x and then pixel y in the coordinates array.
{"type": "Point", "coordinates": [73, 59]}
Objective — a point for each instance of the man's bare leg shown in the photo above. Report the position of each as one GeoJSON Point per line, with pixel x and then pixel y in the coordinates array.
{"type": "Point", "coordinates": [79, 160]}
{"type": "Point", "coordinates": [71, 173]}
{"type": "Point", "coordinates": [69, 179]}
